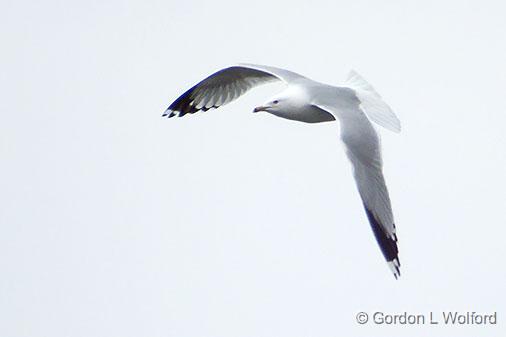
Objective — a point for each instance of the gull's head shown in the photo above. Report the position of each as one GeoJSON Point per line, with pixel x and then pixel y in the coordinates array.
{"type": "Point", "coordinates": [274, 105]}
{"type": "Point", "coordinates": [289, 103]}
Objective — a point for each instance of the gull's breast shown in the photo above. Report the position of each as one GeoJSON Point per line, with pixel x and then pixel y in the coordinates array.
{"type": "Point", "coordinates": [306, 114]}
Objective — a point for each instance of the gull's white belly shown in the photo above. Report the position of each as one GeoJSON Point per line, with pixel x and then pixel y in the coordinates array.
{"type": "Point", "coordinates": [309, 114]}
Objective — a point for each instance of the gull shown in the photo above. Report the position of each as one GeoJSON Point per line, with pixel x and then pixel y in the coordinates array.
{"type": "Point", "coordinates": [355, 104]}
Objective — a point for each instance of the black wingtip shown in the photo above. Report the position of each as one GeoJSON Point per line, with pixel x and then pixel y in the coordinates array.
{"type": "Point", "coordinates": [169, 113]}
{"type": "Point", "coordinates": [183, 105]}
{"type": "Point", "coordinates": [388, 245]}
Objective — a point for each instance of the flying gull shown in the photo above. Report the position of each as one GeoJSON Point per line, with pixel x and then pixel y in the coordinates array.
{"type": "Point", "coordinates": [355, 104]}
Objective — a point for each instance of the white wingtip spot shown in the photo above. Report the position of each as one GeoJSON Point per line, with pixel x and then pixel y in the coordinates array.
{"type": "Point", "coordinates": [394, 266]}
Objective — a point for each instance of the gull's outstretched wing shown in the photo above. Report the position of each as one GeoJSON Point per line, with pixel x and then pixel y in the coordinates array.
{"type": "Point", "coordinates": [362, 145]}
{"type": "Point", "coordinates": [368, 173]}
{"type": "Point", "coordinates": [224, 86]}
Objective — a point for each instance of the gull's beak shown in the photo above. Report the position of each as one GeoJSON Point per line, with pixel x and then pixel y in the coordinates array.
{"type": "Point", "coordinates": [260, 108]}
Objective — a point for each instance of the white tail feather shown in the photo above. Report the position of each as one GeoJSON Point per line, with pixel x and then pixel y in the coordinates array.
{"type": "Point", "coordinates": [372, 104]}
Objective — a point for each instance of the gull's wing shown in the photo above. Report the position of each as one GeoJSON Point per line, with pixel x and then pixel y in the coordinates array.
{"type": "Point", "coordinates": [371, 103]}
{"type": "Point", "coordinates": [224, 86]}
{"type": "Point", "coordinates": [362, 145]}
{"type": "Point", "coordinates": [368, 173]}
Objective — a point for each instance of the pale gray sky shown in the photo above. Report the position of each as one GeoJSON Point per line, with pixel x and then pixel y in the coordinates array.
{"type": "Point", "coordinates": [116, 222]}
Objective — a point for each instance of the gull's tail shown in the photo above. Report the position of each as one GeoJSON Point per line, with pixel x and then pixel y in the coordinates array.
{"type": "Point", "coordinates": [372, 104]}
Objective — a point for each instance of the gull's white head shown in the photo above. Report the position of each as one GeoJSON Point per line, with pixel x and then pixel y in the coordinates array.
{"type": "Point", "coordinates": [285, 103]}
{"type": "Point", "coordinates": [276, 104]}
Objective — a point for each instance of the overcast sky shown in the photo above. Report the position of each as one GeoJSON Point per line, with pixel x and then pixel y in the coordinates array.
{"type": "Point", "coordinates": [116, 222]}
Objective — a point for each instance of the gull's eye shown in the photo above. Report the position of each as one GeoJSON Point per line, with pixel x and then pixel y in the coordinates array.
{"type": "Point", "coordinates": [275, 102]}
